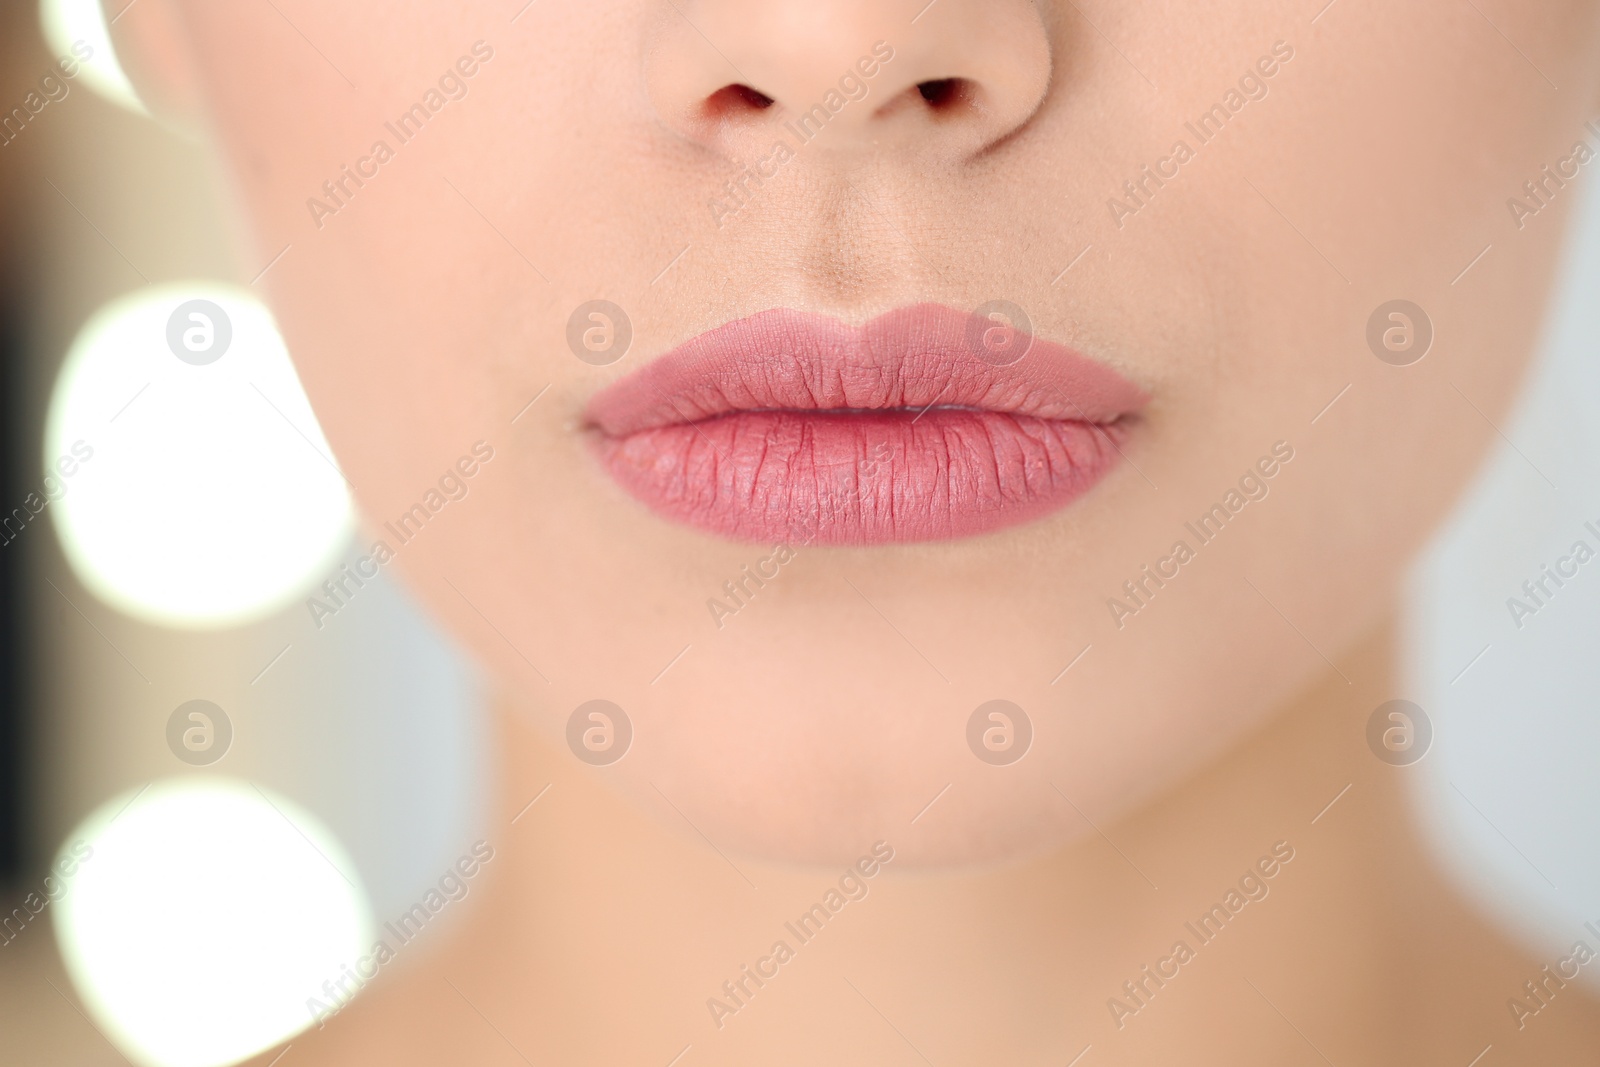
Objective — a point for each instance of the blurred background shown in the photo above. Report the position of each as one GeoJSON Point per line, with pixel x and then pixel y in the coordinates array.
{"type": "Point", "coordinates": [212, 790]}
{"type": "Point", "coordinates": [190, 511]}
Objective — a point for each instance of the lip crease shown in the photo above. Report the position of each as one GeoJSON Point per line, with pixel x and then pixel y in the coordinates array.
{"type": "Point", "coordinates": [793, 426]}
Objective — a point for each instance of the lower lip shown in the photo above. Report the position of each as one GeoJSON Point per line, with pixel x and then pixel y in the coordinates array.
{"type": "Point", "coordinates": [862, 477]}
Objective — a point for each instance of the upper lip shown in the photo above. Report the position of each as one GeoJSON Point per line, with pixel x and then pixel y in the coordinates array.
{"type": "Point", "coordinates": [914, 357]}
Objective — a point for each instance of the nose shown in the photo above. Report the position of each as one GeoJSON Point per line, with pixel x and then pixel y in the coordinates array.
{"type": "Point", "coordinates": [946, 79]}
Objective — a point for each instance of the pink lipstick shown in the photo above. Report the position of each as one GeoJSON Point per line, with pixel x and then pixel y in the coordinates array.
{"type": "Point", "coordinates": [923, 424]}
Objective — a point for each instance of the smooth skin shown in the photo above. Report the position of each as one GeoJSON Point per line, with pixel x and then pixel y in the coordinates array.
{"type": "Point", "coordinates": [591, 157]}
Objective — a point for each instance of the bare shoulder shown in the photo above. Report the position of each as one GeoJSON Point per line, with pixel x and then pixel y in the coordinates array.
{"type": "Point", "coordinates": [414, 1015]}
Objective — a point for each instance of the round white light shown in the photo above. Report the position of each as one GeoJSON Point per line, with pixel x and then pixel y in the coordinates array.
{"type": "Point", "coordinates": [201, 920]}
{"type": "Point", "coordinates": [83, 23]}
{"type": "Point", "coordinates": [189, 480]}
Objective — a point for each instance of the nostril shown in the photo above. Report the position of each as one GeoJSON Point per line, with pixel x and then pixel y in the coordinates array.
{"type": "Point", "coordinates": [735, 101]}
{"type": "Point", "coordinates": [945, 93]}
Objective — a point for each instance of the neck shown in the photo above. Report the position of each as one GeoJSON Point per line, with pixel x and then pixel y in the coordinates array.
{"type": "Point", "coordinates": [1253, 899]}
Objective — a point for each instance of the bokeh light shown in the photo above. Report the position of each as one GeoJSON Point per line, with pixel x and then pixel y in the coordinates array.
{"type": "Point", "coordinates": [202, 916]}
{"type": "Point", "coordinates": [66, 22]}
{"type": "Point", "coordinates": [201, 491]}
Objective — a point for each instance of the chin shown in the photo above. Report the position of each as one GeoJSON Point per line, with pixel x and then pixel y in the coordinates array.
{"type": "Point", "coordinates": [827, 787]}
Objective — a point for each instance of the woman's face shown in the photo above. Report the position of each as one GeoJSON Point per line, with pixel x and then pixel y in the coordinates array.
{"type": "Point", "coordinates": [1204, 211]}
